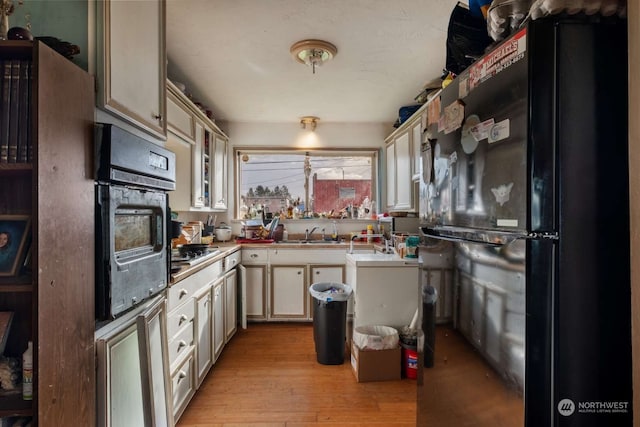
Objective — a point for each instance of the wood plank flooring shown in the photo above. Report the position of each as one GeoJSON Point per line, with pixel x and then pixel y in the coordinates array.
{"type": "Point", "coordinates": [268, 376]}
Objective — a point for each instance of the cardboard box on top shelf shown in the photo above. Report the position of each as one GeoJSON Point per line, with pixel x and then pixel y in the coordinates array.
{"type": "Point", "coordinates": [375, 365]}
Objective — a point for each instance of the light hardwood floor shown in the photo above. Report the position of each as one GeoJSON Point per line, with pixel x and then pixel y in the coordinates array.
{"type": "Point", "coordinates": [268, 376]}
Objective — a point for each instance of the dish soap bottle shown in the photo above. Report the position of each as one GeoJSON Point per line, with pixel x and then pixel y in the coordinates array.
{"type": "Point", "coordinates": [27, 372]}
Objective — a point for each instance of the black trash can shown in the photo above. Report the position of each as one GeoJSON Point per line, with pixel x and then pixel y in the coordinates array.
{"type": "Point", "coordinates": [429, 299]}
{"type": "Point", "coordinates": [330, 321]}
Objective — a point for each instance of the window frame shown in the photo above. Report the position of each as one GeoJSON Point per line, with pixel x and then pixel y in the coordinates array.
{"type": "Point", "coordinates": [373, 152]}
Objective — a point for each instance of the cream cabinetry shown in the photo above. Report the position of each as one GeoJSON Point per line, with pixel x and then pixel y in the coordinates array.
{"type": "Point", "coordinates": [402, 153]}
{"type": "Point", "coordinates": [277, 280]}
{"type": "Point", "coordinates": [288, 292]}
{"type": "Point", "coordinates": [131, 62]}
{"type": "Point", "coordinates": [189, 333]}
{"type": "Point", "coordinates": [218, 317]}
{"type": "Point", "coordinates": [201, 156]}
{"type": "Point", "coordinates": [399, 178]}
{"type": "Point", "coordinates": [230, 304]}
{"type": "Point", "coordinates": [254, 263]}
{"type": "Point", "coordinates": [203, 335]}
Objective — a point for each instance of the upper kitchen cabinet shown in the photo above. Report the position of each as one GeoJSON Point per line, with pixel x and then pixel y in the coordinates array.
{"type": "Point", "coordinates": [131, 62]}
{"type": "Point", "coordinates": [402, 152]}
{"type": "Point", "coordinates": [201, 156]}
{"type": "Point", "coordinates": [399, 194]}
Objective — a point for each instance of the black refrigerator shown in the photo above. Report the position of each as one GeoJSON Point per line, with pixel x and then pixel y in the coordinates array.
{"type": "Point", "coordinates": [525, 170]}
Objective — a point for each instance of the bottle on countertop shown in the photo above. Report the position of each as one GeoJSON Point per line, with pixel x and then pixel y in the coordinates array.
{"type": "Point", "coordinates": [27, 372]}
{"type": "Point", "coordinates": [369, 232]}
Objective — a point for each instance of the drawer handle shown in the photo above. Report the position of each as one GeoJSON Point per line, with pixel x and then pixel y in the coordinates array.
{"type": "Point", "coordinates": [183, 318]}
{"type": "Point", "coordinates": [254, 255]}
{"type": "Point", "coordinates": [182, 375]}
{"type": "Point", "coordinates": [181, 344]}
{"type": "Point", "coordinates": [183, 292]}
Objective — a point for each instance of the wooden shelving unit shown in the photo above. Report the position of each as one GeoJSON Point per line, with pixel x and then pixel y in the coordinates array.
{"type": "Point", "coordinates": [53, 300]}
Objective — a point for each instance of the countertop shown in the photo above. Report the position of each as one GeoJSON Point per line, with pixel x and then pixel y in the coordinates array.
{"type": "Point", "coordinates": [382, 260]}
{"type": "Point", "coordinates": [227, 248]}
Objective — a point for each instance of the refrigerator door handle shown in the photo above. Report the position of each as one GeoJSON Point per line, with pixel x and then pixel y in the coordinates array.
{"type": "Point", "coordinates": [460, 234]}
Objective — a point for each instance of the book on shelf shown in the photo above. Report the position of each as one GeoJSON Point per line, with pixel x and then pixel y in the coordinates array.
{"type": "Point", "coordinates": [14, 106]}
{"type": "Point", "coordinates": [24, 122]}
{"type": "Point", "coordinates": [4, 110]}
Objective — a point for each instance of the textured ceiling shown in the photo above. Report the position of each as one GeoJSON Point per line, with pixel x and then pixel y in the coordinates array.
{"type": "Point", "coordinates": [233, 56]}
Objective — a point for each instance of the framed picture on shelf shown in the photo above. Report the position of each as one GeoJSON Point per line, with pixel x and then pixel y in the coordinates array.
{"type": "Point", "coordinates": [14, 232]}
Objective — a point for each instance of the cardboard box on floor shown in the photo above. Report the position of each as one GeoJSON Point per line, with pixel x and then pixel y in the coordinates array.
{"type": "Point", "coordinates": [375, 365]}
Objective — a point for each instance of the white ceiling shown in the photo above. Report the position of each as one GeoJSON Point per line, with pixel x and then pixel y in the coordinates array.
{"type": "Point", "coordinates": [233, 56]}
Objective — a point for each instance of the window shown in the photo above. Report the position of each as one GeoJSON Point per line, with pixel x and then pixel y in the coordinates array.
{"type": "Point", "coordinates": [304, 183]}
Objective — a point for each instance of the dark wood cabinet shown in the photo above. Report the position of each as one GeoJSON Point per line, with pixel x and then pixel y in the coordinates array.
{"type": "Point", "coordinates": [53, 299]}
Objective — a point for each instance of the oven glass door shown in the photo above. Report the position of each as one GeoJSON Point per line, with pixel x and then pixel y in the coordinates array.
{"type": "Point", "coordinates": [134, 247]}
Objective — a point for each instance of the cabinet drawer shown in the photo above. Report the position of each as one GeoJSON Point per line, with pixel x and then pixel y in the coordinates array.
{"type": "Point", "coordinates": [179, 318]}
{"type": "Point", "coordinates": [187, 288]}
{"type": "Point", "coordinates": [254, 256]}
{"type": "Point", "coordinates": [181, 343]}
{"type": "Point", "coordinates": [231, 261]}
{"type": "Point", "coordinates": [183, 385]}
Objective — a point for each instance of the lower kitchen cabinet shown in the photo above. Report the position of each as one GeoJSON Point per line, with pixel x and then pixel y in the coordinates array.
{"type": "Point", "coordinates": [183, 384]}
{"type": "Point", "coordinates": [230, 304]}
{"type": "Point", "coordinates": [288, 292]}
{"type": "Point", "coordinates": [204, 333]}
{"type": "Point", "coordinates": [218, 317]}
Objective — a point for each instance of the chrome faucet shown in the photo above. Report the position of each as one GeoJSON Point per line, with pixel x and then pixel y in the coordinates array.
{"type": "Point", "coordinates": [307, 233]}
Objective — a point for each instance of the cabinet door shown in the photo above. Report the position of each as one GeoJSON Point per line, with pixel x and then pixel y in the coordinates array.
{"type": "Point", "coordinates": [256, 283]}
{"type": "Point", "coordinates": [132, 62]}
{"type": "Point", "coordinates": [230, 306]}
{"type": "Point", "coordinates": [416, 139]}
{"type": "Point", "coordinates": [390, 155]}
{"type": "Point", "coordinates": [153, 332]}
{"type": "Point", "coordinates": [288, 292]}
{"type": "Point", "coordinates": [198, 168]}
{"type": "Point", "coordinates": [204, 347]}
{"type": "Point", "coordinates": [181, 198]}
{"type": "Point", "coordinates": [404, 184]}
{"type": "Point", "coordinates": [218, 318]}
{"type": "Point", "coordinates": [180, 120]}
{"type": "Point", "coordinates": [219, 185]}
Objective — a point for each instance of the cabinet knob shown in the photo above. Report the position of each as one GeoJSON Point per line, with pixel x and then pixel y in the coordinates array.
{"type": "Point", "coordinates": [254, 255]}
{"type": "Point", "coordinates": [157, 117]}
{"type": "Point", "coordinates": [183, 292]}
{"type": "Point", "coordinates": [317, 272]}
{"type": "Point", "coordinates": [182, 375]}
{"type": "Point", "coordinates": [299, 272]}
{"type": "Point", "coordinates": [181, 344]}
{"type": "Point", "coordinates": [183, 318]}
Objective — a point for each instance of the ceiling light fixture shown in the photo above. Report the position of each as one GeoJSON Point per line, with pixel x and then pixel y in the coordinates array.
{"type": "Point", "coordinates": [313, 52]}
{"type": "Point", "coordinates": [309, 122]}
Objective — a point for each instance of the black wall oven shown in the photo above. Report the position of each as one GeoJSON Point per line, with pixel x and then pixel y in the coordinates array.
{"type": "Point", "coordinates": [133, 176]}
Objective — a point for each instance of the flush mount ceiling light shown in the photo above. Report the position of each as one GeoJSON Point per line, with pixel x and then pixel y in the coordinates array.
{"type": "Point", "coordinates": [309, 122]}
{"type": "Point", "coordinates": [313, 52]}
